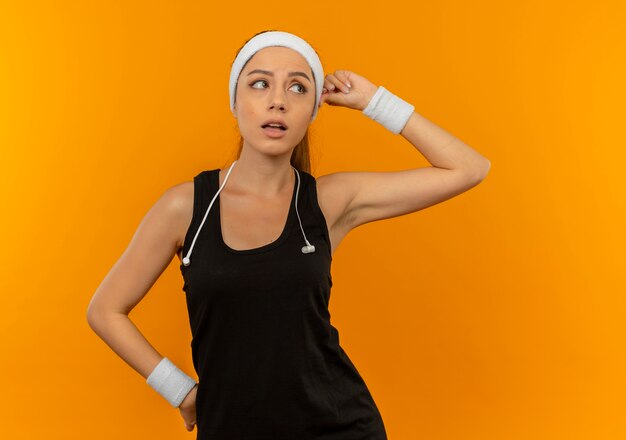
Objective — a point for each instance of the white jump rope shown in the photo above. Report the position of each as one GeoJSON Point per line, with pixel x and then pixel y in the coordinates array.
{"type": "Point", "coordinates": [307, 249]}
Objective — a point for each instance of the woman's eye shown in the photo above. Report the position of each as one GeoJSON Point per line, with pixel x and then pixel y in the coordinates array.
{"type": "Point", "coordinates": [263, 81]}
{"type": "Point", "coordinates": [252, 85]}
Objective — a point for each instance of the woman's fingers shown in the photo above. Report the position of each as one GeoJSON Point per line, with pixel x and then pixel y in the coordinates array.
{"type": "Point", "coordinates": [338, 81]}
{"type": "Point", "coordinates": [189, 424]}
{"type": "Point", "coordinates": [187, 409]}
{"type": "Point", "coordinates": [342, 75]}
{"type": "Point", "coordinates": [328, 85]}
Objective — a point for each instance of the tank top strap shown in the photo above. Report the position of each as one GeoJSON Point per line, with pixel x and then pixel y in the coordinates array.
{"type": "Point", "coordinates": [199, 226]}
{"type": "Point", "coordinates": [316, 210]}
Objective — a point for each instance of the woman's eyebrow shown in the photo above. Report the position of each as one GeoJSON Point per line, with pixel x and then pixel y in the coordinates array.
{"type": "Point", "coordinates": [267, 72]}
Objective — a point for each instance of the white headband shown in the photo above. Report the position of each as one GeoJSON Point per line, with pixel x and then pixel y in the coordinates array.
{"type": "Point", "coordinates": [277, 38]}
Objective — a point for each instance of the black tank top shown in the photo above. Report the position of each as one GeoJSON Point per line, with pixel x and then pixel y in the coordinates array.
{"type": "Point", "coordinates": [268, 360]}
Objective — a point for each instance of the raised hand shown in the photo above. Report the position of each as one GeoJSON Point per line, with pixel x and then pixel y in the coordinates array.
{"type": "Point", "coordinates": [359, 90]}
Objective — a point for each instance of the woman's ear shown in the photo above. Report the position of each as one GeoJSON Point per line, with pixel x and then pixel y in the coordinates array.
{"type": "Point", "coordinates": [323, 97]}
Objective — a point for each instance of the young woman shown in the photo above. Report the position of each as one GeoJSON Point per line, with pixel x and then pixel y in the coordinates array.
{"type": "Point", "coordinates": [256, 241]}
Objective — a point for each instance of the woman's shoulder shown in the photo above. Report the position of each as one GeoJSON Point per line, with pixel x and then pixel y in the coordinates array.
{"type": "Point", "coordinates": [175, 206]}
{"type": "Point", "coordinates": [178, 200]}
{"type": "Point", "coordinates": [332, 197]}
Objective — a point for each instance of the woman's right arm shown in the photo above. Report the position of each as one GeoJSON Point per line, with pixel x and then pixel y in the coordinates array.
{"type": "Point", "coordinates": [154, 244]}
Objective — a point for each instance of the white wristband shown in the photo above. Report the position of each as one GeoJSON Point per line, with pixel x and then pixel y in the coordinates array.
{"type": "Point", "coordinates": [389, 110]}
{"type": "Point", "coordinates": [170, 382]}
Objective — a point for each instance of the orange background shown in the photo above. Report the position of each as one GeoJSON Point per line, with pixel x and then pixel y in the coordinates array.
{"type": "Point", "coordinates": [498, 314]}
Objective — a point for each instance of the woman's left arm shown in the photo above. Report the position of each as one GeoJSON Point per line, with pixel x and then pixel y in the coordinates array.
{"type": "Point", "coordinates": [456, 167]}
{"type": "Point", "coordinates": [442, 149]}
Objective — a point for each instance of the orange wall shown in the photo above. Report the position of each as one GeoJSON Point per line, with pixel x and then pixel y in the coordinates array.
{"type": "Point", "coordinates": [498, 314]}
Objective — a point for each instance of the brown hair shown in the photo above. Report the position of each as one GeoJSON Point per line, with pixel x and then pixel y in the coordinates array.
{"type": "Point", "coordinates": [300, 158]}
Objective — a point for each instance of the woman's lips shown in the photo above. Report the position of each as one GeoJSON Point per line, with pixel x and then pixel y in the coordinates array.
{"type": "Point", "coordinates": [274, 132]}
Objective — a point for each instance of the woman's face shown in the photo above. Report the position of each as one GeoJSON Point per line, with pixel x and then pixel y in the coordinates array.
{"type": "Point", "coordinates": [274, 94]}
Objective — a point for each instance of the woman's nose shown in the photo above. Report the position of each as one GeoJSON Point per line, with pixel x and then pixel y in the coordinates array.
{"type": "Point", "coordinates": [278, 99]}
{"type": "Point", "coordinates": [278, 104]}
